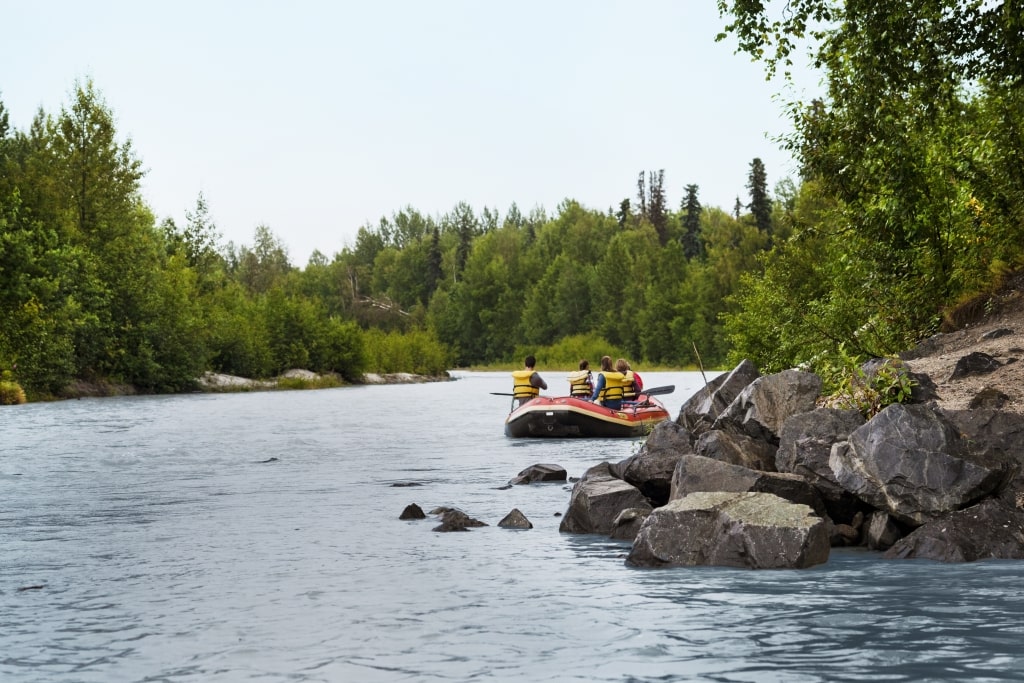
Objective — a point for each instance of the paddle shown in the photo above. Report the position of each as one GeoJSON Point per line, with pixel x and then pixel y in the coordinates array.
{"type": "Point", "coordinates": [498, 393]}
{"type": "Point", "coordinates": [658, 391]}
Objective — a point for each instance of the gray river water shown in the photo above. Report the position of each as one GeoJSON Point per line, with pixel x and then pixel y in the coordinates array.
{"type": "Point", "coordinates": [154, 539]}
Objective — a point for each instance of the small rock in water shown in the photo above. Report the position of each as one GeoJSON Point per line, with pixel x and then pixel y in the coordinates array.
{"type": "Point", "coordinates": [412, 511]}
{"type": "Point", "coordinates": [515, 520]}
{"type": "Point", "coordinates": [457, 520]}
{"type": "Point", "coordinates": [267, 460]}
{"type": "Point", "coordinates": [540, 472]}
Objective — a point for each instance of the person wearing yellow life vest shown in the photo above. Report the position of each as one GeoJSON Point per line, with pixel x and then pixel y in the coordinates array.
{"type": "Point", "coordinates": [608, 388]}
{"type": "Point", "coordinates": [632, 385]}
{"type": "Point", "coordinates": [581, 382]}
{"type": "Point", "coordinates": [526, 383]}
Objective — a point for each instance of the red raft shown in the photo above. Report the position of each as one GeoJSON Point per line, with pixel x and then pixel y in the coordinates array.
{"type": "Point", "coordinates": [569, 417]}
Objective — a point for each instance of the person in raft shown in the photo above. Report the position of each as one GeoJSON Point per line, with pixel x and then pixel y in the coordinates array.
{"type": "Point", "coordinates": [608, 388]}
{"type": "Point", "coordinates": [581, 382]}
{"type": "Point", "coordinates": [632, 385]}
{"type": "Point", "coordinates": [527, 383]}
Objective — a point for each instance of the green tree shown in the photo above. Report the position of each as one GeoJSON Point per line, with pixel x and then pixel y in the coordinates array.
{"type": "Point", "coordinates": [657, 211]}
{"type": "Point", "coordinates": [265, 265]}
{"type": "Point", "coordinates": [760, 203]}
{"type": "Point", "coordinates": [693, 246]}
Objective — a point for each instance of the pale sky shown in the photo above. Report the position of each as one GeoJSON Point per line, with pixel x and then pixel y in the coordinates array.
{"type": "Point", "coordinates": [315, 118]}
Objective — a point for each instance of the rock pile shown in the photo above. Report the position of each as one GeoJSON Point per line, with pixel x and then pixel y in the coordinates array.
{"type": "Point", "coordinates": [753, 473]}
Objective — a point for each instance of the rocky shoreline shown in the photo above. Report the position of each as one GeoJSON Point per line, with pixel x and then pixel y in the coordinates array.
{"type": "Point", "coordinates": [755, 473]}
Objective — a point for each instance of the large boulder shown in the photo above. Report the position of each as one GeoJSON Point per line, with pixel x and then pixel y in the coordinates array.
{"type": "Point", "coordinates": [989, 530]}
{"type": "Point", "coordinates": [695, 474]}
{"type": "Point", "coordinates": [805, 444]}
{"type": "Point", "coordinates": [753, 530]}
{"type": "Point", "coordinates": [911, 462]}
{"type": "Point", "coordinates": [992, 434]}
{"type": "Point", "coordinates": [698, 413]}
{"type": "Point", "coordinates": [669, 436]}
{"type": "Point", "coordinates": [651, 468]}
{"type": "Point", "coordinates": [734, 447]}
{"type": "Point", "coordinates": [596, 501]}
{"type": "Point", "coordinates": [995, 437]}
{"type": "Point", "coordinates": [764, 405]}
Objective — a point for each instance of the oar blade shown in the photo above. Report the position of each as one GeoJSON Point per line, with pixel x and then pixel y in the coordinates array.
{"type": "Point", "coordinates": [659, 391]}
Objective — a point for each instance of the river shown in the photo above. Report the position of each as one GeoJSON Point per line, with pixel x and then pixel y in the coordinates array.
{"type": "Point", "coordinates": [255, 537]}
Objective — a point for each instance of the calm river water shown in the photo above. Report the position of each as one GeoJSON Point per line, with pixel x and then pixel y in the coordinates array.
{"type": "Point", "coordinates": [145, 539]}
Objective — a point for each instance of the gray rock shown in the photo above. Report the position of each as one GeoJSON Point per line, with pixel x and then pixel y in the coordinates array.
{"type": "Point", "coordinates": [515, 520]}
{"type": "Point", "coordinates": [696, 473]}
{"type": "Point", "coordinates": [976, 363]}
{"type": "Point", "coordinates": [911, 462]}
{"type": "Point", "coordinates": [650, 469]}
{"type": "Point", "coordinates": [669, 436]}
{"type": "Point", "coordinates": [412, 511]}
{"type": "Point", "coordinates": [996, 333]}
{"type": "Point", "coordinates": [735, 448]}
{"type": "Point", "coordinates": [754, 530]}
{"type": "Point", "coordinates": [540, 472]}
{"type": "Point", "coordinates": [764, 405]}
{"type": "Point", "coordinates": [988, 398]}
{"type": "Point", "coordinates": [457, 520]}
{"type": "Point", "coordinates": [881, 532]}
{"type": "Point", "coordinates": [597, 499]}
{"type": "Point", "coordinates": [699, 412]}
{"type": "Point", "coordinates": [989, 530]}
{"type": "Point", "coordinates": [805, 444]}
{"type": "Point", "coordinates": [627, 524]}
{"type": "Point", "coordinates": [994, 435]}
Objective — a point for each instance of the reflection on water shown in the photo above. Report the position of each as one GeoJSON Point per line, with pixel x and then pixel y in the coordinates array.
{"type": "Point", "coordinates": [156, 538]}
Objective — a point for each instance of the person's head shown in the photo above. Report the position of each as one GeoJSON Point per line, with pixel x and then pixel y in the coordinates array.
{"type": "Point", "coordinates": [584, 364]}
{"type": "Point", "coordinates": [530, 361]}
{"type": "Point", "coordinates": [621, 365]}
{"type": "Point", "coordinates": [606, 363]}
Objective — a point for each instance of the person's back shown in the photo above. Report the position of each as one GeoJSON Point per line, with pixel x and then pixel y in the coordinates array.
{"type": "Point", "coordinates": [581, 382]}
{"type": "Point", "coordinates": [608, 391]}
{"type": "Point", "coordinates": [630, 387]}
{"type": "Point", "coordinates": [527, 383]}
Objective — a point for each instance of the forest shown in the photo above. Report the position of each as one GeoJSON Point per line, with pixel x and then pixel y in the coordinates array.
{"type": "Point", "coordinates": [909, 207]}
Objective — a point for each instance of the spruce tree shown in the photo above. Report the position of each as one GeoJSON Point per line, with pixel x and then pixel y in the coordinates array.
{"type": "Point", "coordinates": [657, 213]}
{"type": "Point", "coordinates": [760, 203]}
{"type": "Point", "coordinates": [693, 246]}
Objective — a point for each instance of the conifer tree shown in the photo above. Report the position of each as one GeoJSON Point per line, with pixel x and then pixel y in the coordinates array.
{"type": "Point", "coordinates": [693, 246]}
{"type": "Point", "coordinates": [760, 203]}
{"type": "Point", "coordinates": [656, 210]}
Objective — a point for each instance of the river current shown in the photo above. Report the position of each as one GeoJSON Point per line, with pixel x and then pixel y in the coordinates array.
{"type": "Point", "coordinates": [255, 537]}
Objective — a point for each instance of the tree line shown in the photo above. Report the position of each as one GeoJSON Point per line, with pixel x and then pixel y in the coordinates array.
{"type": "Point", "coordinates": [908, 210]}
{"type": "Point", "coordinates": [95, 288]}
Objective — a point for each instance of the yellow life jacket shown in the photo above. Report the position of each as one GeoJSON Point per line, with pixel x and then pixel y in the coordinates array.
{"type": "Point", "coordinates": [521, 387]}
{"type": "Point", "coordinates": [612, 390]}
{"type": "Point", "coordinates": [628, 386]}
{"type": "Point", "coordinates": [580, 383]}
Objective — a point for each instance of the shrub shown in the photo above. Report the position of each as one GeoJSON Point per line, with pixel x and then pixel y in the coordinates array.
{"type": "Point", "coordinates": [866, 388]}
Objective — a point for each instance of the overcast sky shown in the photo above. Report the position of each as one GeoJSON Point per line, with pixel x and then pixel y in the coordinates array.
{"type": "Point", "coordinates": [315, 118]}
